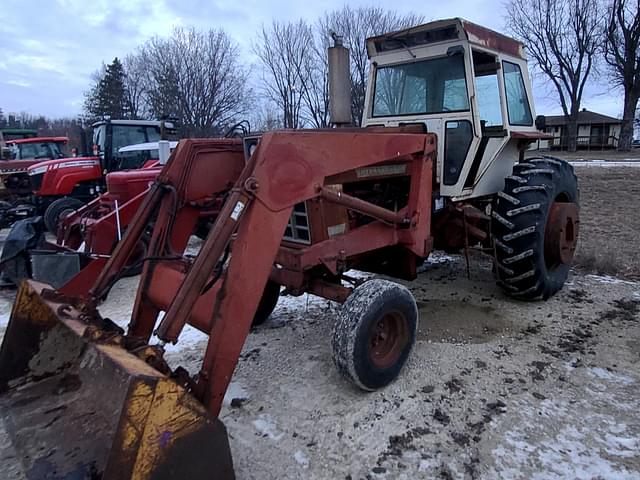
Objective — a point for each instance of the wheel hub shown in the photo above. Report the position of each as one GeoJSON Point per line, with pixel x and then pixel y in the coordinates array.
{"type": "Point", "coordinates": [387, 340]}
{"type": "Point", "coordinates": [561, 234]}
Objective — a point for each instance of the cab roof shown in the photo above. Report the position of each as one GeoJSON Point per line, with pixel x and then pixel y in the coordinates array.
{"type": "Point", "coordinates": [143, 123]}
{"type": "Point", "coordinates": [440, 31]}
{"type": "Point", "coordinates": [19, 141]}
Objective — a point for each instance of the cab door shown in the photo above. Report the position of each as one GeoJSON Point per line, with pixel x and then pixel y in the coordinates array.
{"type": "Point", "coordinates": [461, 131]}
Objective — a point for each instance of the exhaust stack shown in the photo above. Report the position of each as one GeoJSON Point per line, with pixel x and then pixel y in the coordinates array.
{"type": "Point", "coordinates": [339, 83]}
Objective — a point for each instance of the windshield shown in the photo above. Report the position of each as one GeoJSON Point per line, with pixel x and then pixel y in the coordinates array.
{"type": "Point", "coordinates": [426, 87]}
{"type": "Point", "coordinates": [124, 135]}
{"type": "Point", "coordinates": [36, 150]}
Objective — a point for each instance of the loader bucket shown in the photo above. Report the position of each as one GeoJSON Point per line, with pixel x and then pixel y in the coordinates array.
{"type": "Point", "coordinates": [76, 408]}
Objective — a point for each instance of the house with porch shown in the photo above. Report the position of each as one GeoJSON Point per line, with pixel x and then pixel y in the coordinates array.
{"type": "Point", "coordinates": [595, 131]}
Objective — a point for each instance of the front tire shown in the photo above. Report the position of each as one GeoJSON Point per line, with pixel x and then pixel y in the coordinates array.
{"type": "Point", "coordinates": [535, 227]}
{"type": "Point", "coordinates": [374, 333]}
{"type": "Point", "coordinates": [267, 304]}
{"type": "Point", "coordinates": [58, 209]}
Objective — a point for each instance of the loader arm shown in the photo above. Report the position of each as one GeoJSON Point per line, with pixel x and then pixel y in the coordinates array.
{"type": "Point", "coordinates": [286, 169]}
{"type": "Point", "coordinates": [217, 292]}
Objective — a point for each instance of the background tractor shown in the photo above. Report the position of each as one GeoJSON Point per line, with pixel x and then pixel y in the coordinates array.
{"type": "Point", "coordinates": [63, 185]}
{"type": "Point", "coordinates": [15, 188]}
{"type": "Point", "coordinates": [439, 163]}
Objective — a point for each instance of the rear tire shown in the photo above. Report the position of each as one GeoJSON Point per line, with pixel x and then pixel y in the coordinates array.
{"type": "Point", "coordinates": [521, 227]}
{"type": "Point", "coordinates": [59, 209]}
{"type": "Point", "coordinates": [374, 333]}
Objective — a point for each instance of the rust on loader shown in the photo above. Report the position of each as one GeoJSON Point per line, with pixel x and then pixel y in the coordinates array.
{"type": "Point", "coordinates": [76, 408]}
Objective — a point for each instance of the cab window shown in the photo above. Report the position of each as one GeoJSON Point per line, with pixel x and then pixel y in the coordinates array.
{"type": "Point", "coordinates": [124, 135]}
{"type": "Point", "coordinates": [486, 68]}
{"type": "Point", "coordinates": [426, 87]}
{"type": "Point", "coordinates": [517, 103]}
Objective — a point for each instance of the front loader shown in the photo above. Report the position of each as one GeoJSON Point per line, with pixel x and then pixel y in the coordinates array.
{"type": "Point", "coordinates": [81, 398]}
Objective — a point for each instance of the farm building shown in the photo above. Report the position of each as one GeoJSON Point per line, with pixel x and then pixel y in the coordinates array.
{"type": "Point", "coordinates": [595, 131]}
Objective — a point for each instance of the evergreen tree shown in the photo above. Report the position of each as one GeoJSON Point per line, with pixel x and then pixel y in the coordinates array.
{"type": "Point", "coordinates": [107, 96]}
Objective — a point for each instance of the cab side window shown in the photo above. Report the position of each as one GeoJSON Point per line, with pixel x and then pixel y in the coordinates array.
{"type": "Point", "coordinates": [517, 103]}
{"type": "Point", "coordinates": [486, 70]}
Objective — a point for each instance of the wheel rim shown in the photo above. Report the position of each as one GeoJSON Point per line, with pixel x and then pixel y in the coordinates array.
{"type": "Point", "coordinates": [65, 213]}
{"type": "Point", "coordinates": [387, 339]}
{"type": "Point", "coordinates": [561, 234]}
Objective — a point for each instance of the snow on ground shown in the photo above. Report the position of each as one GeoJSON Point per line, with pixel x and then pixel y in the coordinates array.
{"type": "Point", "coordinates": [555, 440]}
{"type": "Point", "coordinates": [494, 388]}
{"type": "Point", "coordinates": [610, 280]}
{"type": "Point", "coordinates": [606, 163]}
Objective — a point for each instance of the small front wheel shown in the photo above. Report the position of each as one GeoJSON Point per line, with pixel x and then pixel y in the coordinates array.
{"type": "Point", "coordinates": [267, 303]}
{"type": "Point", "coordinates": [374, 333]}
{"type": "Point", "coordinates": [58, 210]}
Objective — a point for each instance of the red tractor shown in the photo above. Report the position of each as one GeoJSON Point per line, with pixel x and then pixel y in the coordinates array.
{"type": "Point", "coordinates": [18, 154]}
{"type": "Point", "coordinates": [66, 184]}
{"type": "Point", "coordinates": [24, 153]}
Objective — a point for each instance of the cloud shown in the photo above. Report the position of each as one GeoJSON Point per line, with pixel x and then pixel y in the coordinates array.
{"type": "Point", "coordinates": [18, 83]}
{"type": "Point", "coordinates": [49, 54]}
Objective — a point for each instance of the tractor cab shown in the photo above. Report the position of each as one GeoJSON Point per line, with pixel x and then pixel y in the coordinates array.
{"type": "Point", "coordinates": [109, 136]}
{"type": "Point", "coordinates": [37, 148]}
{"type": "Point", "coordinates": [467, 84]}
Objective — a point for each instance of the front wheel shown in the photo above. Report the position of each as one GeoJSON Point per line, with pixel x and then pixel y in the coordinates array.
{"type": "Point", "coordinates": [59, 209]}
{"type": "Point", "coordinates": [267, 303]}
{"type": "Point", "coordinates": [374, 333]}
{"type": "Point", "coordinates": [535, 227]}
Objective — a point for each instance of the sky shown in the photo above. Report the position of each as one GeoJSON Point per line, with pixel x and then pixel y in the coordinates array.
{"type": "Point", "coordinates": [50, 48]}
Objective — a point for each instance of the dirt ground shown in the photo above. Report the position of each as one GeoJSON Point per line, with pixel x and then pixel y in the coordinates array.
{"type": "Point", "coordinates": [495, 388]}
{"type": "Point", "coordinates": [609, 220]}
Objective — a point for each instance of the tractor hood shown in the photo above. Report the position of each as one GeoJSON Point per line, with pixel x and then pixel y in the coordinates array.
{"type": "Point", "coordinates": [71, 162]}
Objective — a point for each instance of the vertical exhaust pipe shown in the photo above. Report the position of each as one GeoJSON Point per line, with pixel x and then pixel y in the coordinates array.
{"type": "Point", "coordinates": [164, 151]}
{"type": "Point", "coordinates": [339, 83]}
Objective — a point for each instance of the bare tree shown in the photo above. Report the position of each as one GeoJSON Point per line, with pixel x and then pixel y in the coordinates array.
{"type": "Point", "coordinates": [622, 39]}
{"type": "Point", "coordinates": [266, 116]}
{"type": "Point", "coordinates": [563, 38]}
{"type": "Point", "coordinates": [284, 50]}
{"type": "Point", "coordinates": [134, 82]}
{"type": "Point", "coordinates": [315, 85]}
{"type": "Point", "coordinates": [159, 81]}
{"type": "Point", "coordinates": [197, 77]}
{"type": "Point", "coordinates": [356, 25]}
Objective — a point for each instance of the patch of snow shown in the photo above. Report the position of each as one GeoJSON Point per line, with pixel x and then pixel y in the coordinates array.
{"type": "Point", "coordinates": [606, 164]}
{"type": "Point", "coordinates": [436, 258]}
{"type": "Point", "coordinates": [358, 274]}
{"type": "Point", "coordinates": [301, 459]}
{"type": "Point", "coordinates": [234, 390]}
{"type": "Point", "coordinates": [301, 304]}
{"type": "Point", "coordinates": [604, 374]}
{"type": "Point", "coordinates": [428, 465]}
{"type": "Point", "coordinates": [552, 440]}
{"type": "Point", "coordinates": [267, 427]}
{"type": "Point", "coordinates": [622, 446]}
{"type": "Point", "coordinates": [189, 338]}
{"type": "Point", "coordinates": [609, 280]}
{"type": "Point", "coordinates": [4, 320]}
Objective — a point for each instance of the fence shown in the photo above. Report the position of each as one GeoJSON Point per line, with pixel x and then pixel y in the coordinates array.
{"type": "Point", "coordinates": [583, 142]}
